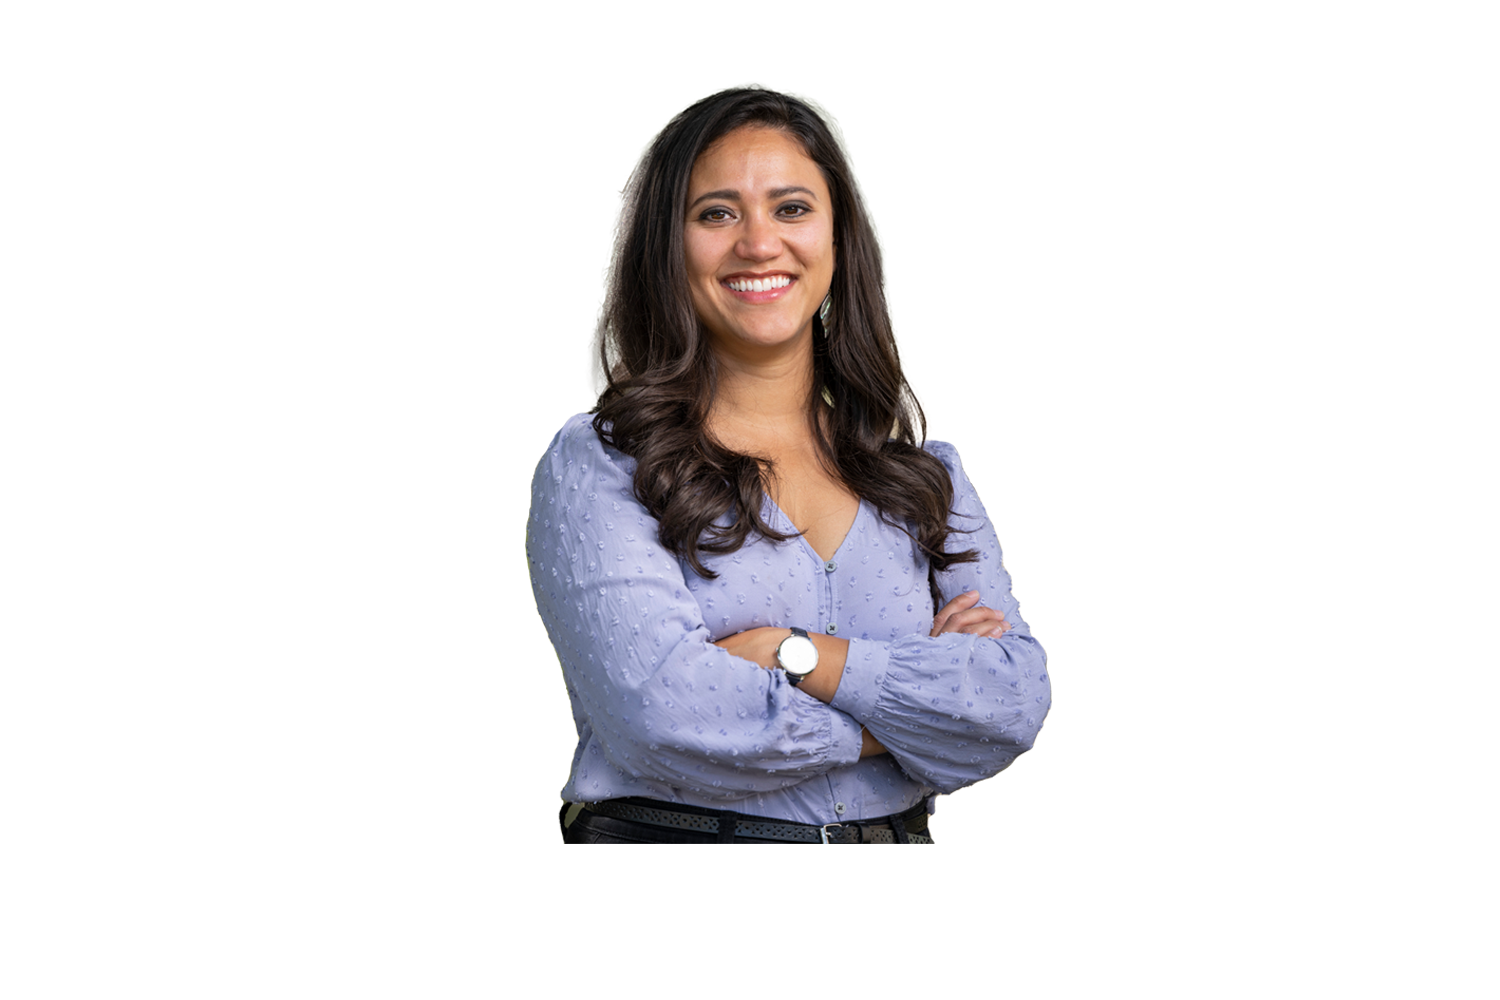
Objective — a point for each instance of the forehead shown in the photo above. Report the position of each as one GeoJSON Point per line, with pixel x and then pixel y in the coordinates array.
{"type": "Point", "coordinates": [754, 158]}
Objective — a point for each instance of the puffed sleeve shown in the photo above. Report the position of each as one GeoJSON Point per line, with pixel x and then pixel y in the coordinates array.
{"type": "Point", "coordinates": [954, 709]}
{"type": "Point", "coordinates": [665, 705]}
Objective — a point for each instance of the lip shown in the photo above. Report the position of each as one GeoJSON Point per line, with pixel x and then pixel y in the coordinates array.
{"type": "Point", "coordinates": [753, 298]}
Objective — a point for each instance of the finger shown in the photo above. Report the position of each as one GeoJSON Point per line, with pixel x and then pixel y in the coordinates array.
{"type": "Point", "coordinates": [976, 614]}
{"type": "Point", "coordinates": [944, 613]}
{"type": "Point", "coordinates": [962, 602]}
{"type": "Point", "coordinates": [962, 620]}
{"type": "Point", "coordinates": [990, 624]}
{"type": "Point", "coordinates": [986, 629]}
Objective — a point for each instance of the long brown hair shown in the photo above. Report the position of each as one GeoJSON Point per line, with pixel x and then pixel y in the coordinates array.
{"type": "Point", "coordinates": [660, 371]}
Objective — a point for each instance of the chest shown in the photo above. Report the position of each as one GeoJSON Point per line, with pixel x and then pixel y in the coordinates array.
{"type": "Point", "coordinates": [874, 586]}
{"type": "Point", "coordinates": [817, 506]}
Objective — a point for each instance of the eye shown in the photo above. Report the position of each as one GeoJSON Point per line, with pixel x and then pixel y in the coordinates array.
{"type": "Point", "coordinates": [793, 210]}
{"type": "Point", "coordinates": [714, 215]}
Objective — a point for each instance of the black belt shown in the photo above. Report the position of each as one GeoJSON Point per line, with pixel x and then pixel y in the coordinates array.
{"type": "Point", "coordinates": [727, 826]}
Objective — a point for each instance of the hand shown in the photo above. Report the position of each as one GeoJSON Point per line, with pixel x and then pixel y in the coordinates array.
{"type": "Point", "coordinates": [964, 614]}
{"type": "Point", "coordinates": [758, 645]}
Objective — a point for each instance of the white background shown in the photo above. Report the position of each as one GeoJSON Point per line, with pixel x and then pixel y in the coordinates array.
{"type": "Point", "coordinates": [261, 405]}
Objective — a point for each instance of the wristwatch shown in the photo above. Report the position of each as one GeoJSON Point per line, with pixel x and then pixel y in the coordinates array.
{"type": "Point", "coordinates": [797, 656]}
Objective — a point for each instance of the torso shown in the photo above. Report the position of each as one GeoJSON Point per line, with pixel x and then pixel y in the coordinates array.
{"type": "Point", "coordinates": [588, 527]}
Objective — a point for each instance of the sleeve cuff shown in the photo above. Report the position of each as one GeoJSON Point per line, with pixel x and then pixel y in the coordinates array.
{"type": "Point", "coordinates": [864, 677]}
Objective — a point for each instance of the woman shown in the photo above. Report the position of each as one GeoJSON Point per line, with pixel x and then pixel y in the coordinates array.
{"type": "Point", "coordinates": [779, 618]}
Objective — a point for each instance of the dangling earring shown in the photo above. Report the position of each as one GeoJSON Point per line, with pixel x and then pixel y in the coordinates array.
{"type": "Point", "coordinates": [824, 312]}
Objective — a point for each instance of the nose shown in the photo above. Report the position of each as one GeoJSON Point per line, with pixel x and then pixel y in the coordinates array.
{"type": "Point", "coordinates": [759, 239]}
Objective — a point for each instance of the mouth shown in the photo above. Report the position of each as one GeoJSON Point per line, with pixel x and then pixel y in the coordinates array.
{"type": "Point", "coordinates": [757, 288]}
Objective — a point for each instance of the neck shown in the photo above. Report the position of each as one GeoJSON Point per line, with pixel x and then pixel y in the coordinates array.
{"type": "Point", "coordinates": [764, 393]}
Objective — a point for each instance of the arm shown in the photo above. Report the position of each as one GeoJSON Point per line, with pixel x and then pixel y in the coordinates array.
{"type": "Point", "coordinates": [954, 706]}
{"type": "Point", "coordinates": [762, 646]}
{"type": "Point", "coordinates": [662, 702]}
{"type": "Point", "coordinates": [759, 646]}
{"type": "Point", "coordinates": [957, 707]}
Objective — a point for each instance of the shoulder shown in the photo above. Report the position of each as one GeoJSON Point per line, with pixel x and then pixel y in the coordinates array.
{"type": "Point", "coordinates": [578, 440]}
{"type": "Point", "coordinates": [947, 454]}
{"type": "Point", "coordinates": [965, 496]}
{"type": "Point", "coordinates": [576, 454]}
{"type": "Point", "coordinates": [576, 435]}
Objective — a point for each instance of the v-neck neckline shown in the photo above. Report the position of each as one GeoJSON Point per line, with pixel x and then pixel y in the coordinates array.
{"type": "Point", "coordinates": [859, 512]}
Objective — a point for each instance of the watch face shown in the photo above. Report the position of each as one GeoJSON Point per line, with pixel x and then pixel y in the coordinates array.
{"type": "Point", "coordinates": [797, 655]}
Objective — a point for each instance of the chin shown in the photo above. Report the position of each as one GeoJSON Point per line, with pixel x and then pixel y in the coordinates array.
{"type": "Point", "coordinates": [777, 339]}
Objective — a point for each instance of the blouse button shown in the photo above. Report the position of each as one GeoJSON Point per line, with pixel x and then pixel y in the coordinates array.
{"type": "Point", "coordinates": [839, 808]}
{"type": "Point", "coordinates": [830, 566]}
{"type": "Point", "coordinates": [833, 628]}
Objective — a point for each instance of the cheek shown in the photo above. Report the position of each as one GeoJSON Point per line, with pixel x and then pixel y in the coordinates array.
{"type": "Point", "coordinates": [693, 257]}
{"type": "Point", "coordinates": [700, 258]}
{"type": "Point", "coordinates": [816, 248]}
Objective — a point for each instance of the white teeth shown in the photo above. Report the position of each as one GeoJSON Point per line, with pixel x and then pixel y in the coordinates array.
{"type": "Point", "coordinates": [760, 284]}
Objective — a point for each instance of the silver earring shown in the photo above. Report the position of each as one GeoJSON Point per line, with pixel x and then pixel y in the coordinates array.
{"type": "Point", "coordinates": [825, 312]}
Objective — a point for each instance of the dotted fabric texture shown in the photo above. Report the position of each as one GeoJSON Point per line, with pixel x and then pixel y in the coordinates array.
{"type": "Point", "coordinates": [662, 713]}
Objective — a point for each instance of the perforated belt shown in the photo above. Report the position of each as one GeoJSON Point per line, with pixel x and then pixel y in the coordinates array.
{"type": "Point", "coordinates": [728, 825]}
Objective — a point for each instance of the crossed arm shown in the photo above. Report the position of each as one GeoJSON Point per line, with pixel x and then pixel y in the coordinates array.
{"type": "Point", "coordinates": [964, 614]}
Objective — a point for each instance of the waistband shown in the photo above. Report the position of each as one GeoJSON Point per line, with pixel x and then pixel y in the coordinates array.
{"type": "Point", "coordinates": [728, 827]}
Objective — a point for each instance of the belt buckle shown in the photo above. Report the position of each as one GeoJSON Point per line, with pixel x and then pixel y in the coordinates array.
{"type": "Point", "coordinates": [824, 830]}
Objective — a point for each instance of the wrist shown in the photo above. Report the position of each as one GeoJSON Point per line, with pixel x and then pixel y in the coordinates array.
{"type": "Point", "coordinates": [823, 682]}
{"type": "Point", "coordinates": [797, 655]}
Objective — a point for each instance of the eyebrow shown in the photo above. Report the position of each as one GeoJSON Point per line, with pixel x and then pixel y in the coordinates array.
{"type": "Point", "coordinates": [732, 195]}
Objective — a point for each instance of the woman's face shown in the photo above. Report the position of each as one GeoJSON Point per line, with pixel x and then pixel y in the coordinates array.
{"type": "Point", "coordinates": [759, 239]}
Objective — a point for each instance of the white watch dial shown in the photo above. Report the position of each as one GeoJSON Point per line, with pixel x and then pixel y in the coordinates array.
{"type": "Point", "coordinates": [797, 655]}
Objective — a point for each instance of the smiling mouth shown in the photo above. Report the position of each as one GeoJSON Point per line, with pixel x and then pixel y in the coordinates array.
{"type": "Point", "coordinates": [756, 290]}
{"type": "Point", "coordinates": [767, 284]}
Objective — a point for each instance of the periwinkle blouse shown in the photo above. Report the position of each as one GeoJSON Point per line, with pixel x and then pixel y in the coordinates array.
{"type": "Point", "coordinates": [665, 714]}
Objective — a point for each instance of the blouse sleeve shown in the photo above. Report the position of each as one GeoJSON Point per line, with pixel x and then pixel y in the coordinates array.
{"type": "Point", "coordinates": [954, 709]}
{"type": "Point", "coordinates": [662, 701]}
